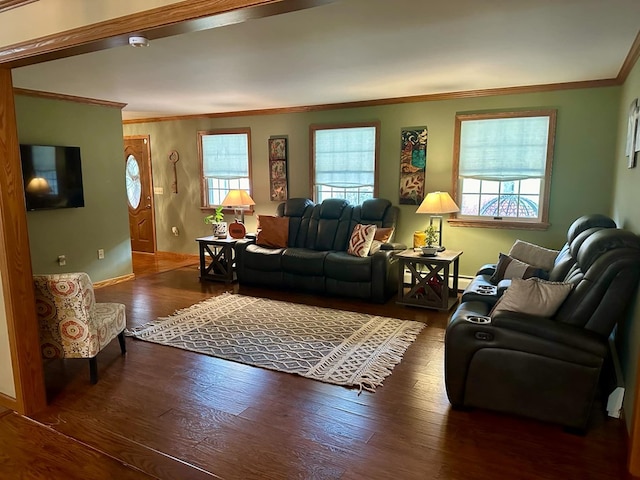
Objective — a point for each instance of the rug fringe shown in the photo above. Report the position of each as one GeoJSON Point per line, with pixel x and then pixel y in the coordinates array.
{"type": "Point", "coordinates": [379, 366]}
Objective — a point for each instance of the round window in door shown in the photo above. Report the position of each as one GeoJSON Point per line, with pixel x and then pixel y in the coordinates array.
{"type": "Point", "coordinates": [134, 187]}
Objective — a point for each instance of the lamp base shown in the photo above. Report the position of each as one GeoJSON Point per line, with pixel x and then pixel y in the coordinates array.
{"type": "Point", "coordinates": [441, 248]}
{"type": "Point", "coordinates": [237, 230]}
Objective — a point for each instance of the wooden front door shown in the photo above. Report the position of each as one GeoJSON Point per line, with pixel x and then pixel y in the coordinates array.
{"type": "Point", "coordinates": [137, 160]}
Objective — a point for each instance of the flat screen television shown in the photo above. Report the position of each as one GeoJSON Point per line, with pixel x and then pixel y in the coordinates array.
{"type": "Point", "coordinates": [52, 177]}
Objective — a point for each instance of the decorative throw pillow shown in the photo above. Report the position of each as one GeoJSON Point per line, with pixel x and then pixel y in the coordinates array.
{"type": "Point", "coordinates": [382, 236]}
{"type": "Point", "coordinates": [535, 255]}
{"type": "Point", "coordinates": [534, 297]}
{"type": "Point", "coordinates": [361, 240]}
{"type": "Point", "coordinates": [509, 267]}
{"type": "Point", "coordinates": [272, 231]}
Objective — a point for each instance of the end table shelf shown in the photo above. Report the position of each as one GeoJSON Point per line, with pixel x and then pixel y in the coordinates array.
{"type": "Point", "coordinates": [428, 283]}
{"type": "Point", "coordinates": [221, 265]}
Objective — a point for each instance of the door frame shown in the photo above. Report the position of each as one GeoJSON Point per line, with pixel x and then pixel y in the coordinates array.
{"type": "Point", "coordinates": [15, 269]}
{"type": "Point", "coordinates": [151, 193]}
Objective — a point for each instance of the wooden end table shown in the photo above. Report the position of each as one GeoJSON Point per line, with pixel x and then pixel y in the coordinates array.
{"type": "Point", "coordinates": [428, 285]}
{"type": "Point", "coordinates": [221, 266]}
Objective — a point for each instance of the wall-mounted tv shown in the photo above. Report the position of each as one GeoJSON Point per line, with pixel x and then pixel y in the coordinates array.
{"type": "Point", "coordinates": [52, 177]}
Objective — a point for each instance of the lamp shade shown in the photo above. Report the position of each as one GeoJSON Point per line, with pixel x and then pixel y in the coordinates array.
{"type": "Point", "coordinates": [237, 198]}
{"type": "Point", "coordinates": [38, 185]}
{"type": "Point", "coordinates": [437, 203]}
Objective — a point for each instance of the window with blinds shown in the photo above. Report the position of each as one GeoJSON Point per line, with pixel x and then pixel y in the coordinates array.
{"type": "Point", "coordinates": [225, 159]}
{"type": "Point", "coordinates": [344, 162]}
{"type": "Point", "coordinates": [503, 163]}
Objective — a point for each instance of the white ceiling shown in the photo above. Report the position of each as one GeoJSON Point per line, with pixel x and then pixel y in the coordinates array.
{"type": "Point", "coordinates": [353, 50]}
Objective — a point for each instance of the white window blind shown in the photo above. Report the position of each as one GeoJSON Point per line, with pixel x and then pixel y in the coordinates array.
{"type": "Point", "coordinates": [225, 155]}
{"type": "Point", "coordinates": [225, 164]}
{"type": "Point", "coordinates": [504, 148]}
{"type": "Point", "coordinates": [345, 157]}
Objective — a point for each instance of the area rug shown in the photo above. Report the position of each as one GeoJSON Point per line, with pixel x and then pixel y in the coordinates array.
{"type": "Point", "coordinates": [333, 346]}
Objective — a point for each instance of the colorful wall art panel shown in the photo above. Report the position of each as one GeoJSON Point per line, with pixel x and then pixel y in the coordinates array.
{"type": "Point", "coordinates": [413, 164]}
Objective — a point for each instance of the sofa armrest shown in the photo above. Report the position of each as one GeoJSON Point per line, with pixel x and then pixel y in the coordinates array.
{"type": "Point", "coordinates": [393, 246]}
{"type": "Point", "coordinates": [549, 329]}
{"type": "Point", "coordinates": [487, 269]}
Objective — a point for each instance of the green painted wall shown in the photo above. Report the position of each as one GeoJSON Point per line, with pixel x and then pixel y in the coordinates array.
{"type": "Point", "coordinates": [582, 179]}
{"type": "Point", "coordinates": [103, 223]}
{"type": "Point", "coordinates": [627, 215]}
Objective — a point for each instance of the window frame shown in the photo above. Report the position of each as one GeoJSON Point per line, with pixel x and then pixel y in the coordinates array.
{"type": "Point", "coordinates": [541, 223]}
{"type": "Point", "coordinates": [204, 204]}
{"type": "Point", "coordinates": [338, 126]}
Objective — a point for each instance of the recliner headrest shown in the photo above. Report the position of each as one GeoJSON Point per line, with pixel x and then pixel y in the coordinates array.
{"type": "Point", "coordinates": [374, 208]}
{"type": "Point", "coordinates": [606, 240]}
{"type": "Point", "coordinates": [574, 246]}
{"type": "Point", "coordinates": [331, 208]}
{"type": "Point", "coordinates": [588, 221]}
{"type": "Point", "coordinates": [295, 207]}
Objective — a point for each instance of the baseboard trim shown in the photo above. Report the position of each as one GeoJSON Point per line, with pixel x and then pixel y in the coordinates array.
{"type": "Point", "coordinates": [113, 281]}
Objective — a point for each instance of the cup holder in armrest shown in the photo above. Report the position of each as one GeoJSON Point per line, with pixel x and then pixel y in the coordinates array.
{"type": "Point", "coordinates": [479, 319]}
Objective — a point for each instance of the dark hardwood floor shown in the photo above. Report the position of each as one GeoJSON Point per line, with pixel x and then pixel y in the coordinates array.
{"type": "Point", "coordinates": [160, 412]}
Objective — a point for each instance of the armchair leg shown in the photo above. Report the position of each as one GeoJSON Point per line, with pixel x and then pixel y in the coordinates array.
{"type": "Point", "coordinates": [93, 370]}
{"type": "Point", "coordinates": [123, 347]}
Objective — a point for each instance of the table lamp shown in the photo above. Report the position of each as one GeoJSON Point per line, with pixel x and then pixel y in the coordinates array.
{"type": "Point", "coordinates": [237, 199]}
{"type": "Point", "coordinates": [436, 204]}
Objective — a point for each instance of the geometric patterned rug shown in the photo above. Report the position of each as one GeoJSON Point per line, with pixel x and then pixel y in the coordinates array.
{"type": "Point", "coordinates": [333, 346]}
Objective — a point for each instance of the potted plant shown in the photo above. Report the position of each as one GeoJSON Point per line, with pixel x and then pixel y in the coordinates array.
{"type": "Point", "coordinates": [215, 219]}
{"type": "Point", "coordinates": [431, 239]}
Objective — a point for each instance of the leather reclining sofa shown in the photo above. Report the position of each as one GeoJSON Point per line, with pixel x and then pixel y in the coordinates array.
{"type": "Point", "coordinates": [546, 368]}
{"type": "Point", "coordinates": [316, 258]}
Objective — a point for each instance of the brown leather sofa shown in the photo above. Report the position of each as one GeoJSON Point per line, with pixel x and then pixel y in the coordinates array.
{"type": "Point", "coordinates": [547, 368]}
{"type": "Point", "coordinates": [316, 258]}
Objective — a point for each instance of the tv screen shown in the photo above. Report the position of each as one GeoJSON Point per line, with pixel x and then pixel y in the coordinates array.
{"type": "Point", "coordinates": [52, 177]}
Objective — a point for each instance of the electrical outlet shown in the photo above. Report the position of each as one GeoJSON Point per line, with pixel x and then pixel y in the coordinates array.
{"type": "Point", "coordinates": [101, 254]}
{"type": "Point", "coordinates": [62, 260]}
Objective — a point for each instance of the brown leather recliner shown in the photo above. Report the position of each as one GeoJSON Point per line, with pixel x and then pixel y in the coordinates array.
{"type": "Point", "coordinates": [546, 368]}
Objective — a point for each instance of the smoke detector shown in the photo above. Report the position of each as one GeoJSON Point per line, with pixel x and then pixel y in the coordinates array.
{"type": "Point", "coordinates": [138, 41]}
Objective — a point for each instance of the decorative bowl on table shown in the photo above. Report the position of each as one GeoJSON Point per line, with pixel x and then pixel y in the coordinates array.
{"type": "Point", "coordinates": [429, 251]}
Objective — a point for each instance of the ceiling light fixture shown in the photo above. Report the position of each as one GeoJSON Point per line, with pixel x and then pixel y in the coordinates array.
{"type": "Point", "coordinates": [137, 41]}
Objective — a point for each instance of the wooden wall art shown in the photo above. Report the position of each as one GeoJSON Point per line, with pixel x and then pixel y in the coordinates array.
{"type": "Point", "coordinates": [278, 187]}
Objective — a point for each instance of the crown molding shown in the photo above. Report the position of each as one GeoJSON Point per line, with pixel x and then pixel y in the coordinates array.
{"type": "Point", "coordinates": [69, 98]}
{"type": "Point", "coordinates": [489, 92]}
{"type": "Point", "coordinates": [630, 60]}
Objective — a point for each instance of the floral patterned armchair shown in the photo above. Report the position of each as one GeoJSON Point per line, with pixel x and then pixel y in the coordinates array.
{"type": "Point", "coordinates": [72, 324]}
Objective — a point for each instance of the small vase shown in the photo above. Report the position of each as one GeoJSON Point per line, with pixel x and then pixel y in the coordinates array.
{"type": "Point", "coordinates": [220, 229]}
{"type": "Point", "coordinates": [419, 239]}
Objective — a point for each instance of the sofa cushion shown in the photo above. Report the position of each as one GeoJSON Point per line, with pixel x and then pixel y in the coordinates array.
{"type": "Point", "coordinates": [361, 239]}
{"type": "Point", "coordinates": [533, 254]}
{"type": "Point", "coordinates": [383, 235]}
{"type": "Point", "coordinates": [342, 266]}
{"type": "Point", "coordinates": [303, 261]}
{"type": "Point", "coordinates": [533, 296]}
{"type": "Point", "coordinates": [509, 267]}
{"type": "Point", "coordinates": [272, 231]}
{"type": "Point", "coordinates": [256, 257]}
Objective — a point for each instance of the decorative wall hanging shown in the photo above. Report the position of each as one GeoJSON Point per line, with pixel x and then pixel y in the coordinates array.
{"type": "Point", "coordinates": [413, 164]}
{"type": "Point", "coordinates": [633, 133]}
{"type": "Point", "coordinates": [278, 189]}
{"type": "Point", "coordinates": [173, 158]}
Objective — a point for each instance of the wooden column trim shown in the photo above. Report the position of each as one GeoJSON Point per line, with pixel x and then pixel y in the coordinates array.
{"type": "Point", "coordinates": [15, 266]}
